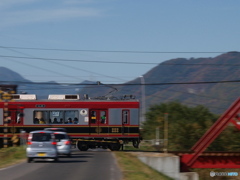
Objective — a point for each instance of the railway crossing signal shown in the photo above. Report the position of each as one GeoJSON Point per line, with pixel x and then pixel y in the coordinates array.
{"type": "Point", "coordinates": [6, 96]}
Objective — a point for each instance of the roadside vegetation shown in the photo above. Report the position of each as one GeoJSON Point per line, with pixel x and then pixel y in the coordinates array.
{"type": "Point", "coordinates": [12, 155]}
{"type": "Point", "coordinates": [132, 168]}
{"type": "Point", "coordinates": [186, 125]}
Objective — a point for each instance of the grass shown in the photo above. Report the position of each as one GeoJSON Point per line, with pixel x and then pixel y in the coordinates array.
{"type": "Point", "coordinates": [132, 168]}
{"type": "Point", "coordinates": [12, 155]}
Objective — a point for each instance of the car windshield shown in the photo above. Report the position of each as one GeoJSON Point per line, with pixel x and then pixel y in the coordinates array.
{"type": "Point", "coordinates": [41, 137]}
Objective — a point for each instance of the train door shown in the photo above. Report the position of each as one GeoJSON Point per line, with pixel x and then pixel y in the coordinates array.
{"type": "Point", "coordinates": [98, 121]}
{"type": "Point", "coordinates": [125, 121]}
{"type": "Point", "coordinates": [14, 120]}
{"type": "Point", "coordinates": [15, 117]}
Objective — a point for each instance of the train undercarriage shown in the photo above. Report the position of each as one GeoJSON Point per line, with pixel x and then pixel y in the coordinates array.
{"type": "Point", "coordinates": [113, 144]}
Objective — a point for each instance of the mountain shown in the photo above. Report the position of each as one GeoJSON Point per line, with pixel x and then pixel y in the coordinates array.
{"type": "Point", "coordinates": [7, 76]}
{"type": "Point", "coordinates": [42, 90]}
{"type": "Point", "coordinates": [211, 82]}
{"type": "Point", "coordinates": [180, 80]}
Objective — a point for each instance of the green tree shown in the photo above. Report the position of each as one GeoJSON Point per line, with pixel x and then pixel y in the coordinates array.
{"type": "Point", "coordinates": [186, 124]}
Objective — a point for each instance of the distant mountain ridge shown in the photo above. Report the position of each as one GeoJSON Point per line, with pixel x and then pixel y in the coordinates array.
{"type": "Point", "coordinates": [42, 90]}
{"type": "Point", "coordinates": [216, 96]}
{"type": "Point", "coordinates": [175, 77]}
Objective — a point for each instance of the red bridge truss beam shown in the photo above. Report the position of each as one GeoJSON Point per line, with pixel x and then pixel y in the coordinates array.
{"type": "Point", "coordinates": [194, 159]}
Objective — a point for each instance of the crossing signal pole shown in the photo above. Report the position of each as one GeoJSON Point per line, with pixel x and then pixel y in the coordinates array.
{"type": "Point", "coordinates": [6, 95]}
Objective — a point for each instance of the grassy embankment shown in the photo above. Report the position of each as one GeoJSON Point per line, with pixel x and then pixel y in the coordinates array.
{"type": "Point", "coordinates": [132, 168]}
{"type": "Point", "coordinates": [11, 155]}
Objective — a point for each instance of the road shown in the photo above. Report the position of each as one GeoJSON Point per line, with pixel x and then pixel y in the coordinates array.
{"type": "Point", "coordinates": [89, 165]}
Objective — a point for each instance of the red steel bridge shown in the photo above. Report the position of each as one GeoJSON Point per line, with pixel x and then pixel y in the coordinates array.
{"type": "Point", "coordinates": [197, 158]}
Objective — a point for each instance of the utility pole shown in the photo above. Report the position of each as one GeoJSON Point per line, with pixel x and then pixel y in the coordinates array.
{"type": "Point", "coordinates": [165, 149]}
{"type": "Point", "coordinates": [143, 106]}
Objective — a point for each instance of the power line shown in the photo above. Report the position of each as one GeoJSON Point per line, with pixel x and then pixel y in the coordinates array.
{"type": "Point", "coordinates": [74, 60]}
{"type": "Point", "coordinates": [125, 84]}
{"type": "Point", "coordinates": [179, 83]}
{"type": "Point", "coordinates": [117, 51]}
{"type": "Point", "coordinates": [31, 57]}
{"type": "Point", "coordinates": [117, 62]}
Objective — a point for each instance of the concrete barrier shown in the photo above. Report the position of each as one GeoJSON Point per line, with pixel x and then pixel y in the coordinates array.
{"type": "Point", "coordinates": [189, 176]}
{"type": "Point", "coordinates": [167, 164]}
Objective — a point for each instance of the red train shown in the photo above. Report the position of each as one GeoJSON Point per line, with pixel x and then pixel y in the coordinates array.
{"type": "Point", "coordinates": [89, 122]}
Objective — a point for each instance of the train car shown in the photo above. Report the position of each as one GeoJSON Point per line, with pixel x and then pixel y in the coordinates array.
{"type": "Point", "coordinates": [91, 123]}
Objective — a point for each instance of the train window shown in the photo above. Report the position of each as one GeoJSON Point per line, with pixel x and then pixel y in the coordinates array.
{"type": "Point", "coordinates": [19, 116]}
{"type": "Point", "coordinates": [125, 116]}
{"type": "Point", "coordinates": [71, 117]}
{"type": "Point", "coordinates": [40, 117]}
{"type": "Point", "coordinates": [103, 117]}
{"type": "Point", "coordinates": [93, 117]}
{"type": "Point", "coordinates": [56, 117]}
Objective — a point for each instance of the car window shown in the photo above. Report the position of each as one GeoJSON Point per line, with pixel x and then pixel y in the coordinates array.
{"type": "Point", "coordinates": [60, 136]}
{"type": "Point", "coordinates": [41, 137]}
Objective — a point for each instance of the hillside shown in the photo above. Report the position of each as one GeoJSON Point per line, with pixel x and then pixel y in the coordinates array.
{"type": "Point", "coordinates": [216, 96]}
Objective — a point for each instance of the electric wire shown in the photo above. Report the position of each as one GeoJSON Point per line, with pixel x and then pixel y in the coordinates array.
{"type": "Point", "coordinates": [64, 65]}
{"type": "Point", "coordinates": [130, 84]}
{"type": "Point", "coordinates": [117, 51]}
{"type": "Point", "coordinates": [117, 62]}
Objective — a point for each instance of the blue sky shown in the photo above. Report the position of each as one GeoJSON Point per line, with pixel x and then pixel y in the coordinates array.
{"type": "Point", "coordinates": [108, 40]}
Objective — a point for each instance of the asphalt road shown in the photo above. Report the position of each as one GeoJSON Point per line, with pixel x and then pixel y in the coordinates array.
{"type": "Point", "coordinates": [89, 165]}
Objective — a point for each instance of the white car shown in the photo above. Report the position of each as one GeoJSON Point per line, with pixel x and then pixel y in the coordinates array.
{"type": "Point", "coordinates": [41, 144]}
{"type": "Point", "coordinates": [63, 143]}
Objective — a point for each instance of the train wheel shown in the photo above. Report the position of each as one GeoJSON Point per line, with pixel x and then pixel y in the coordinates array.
{"type": "Point", "coordinates": [104, 147]}
{"type": "Point", "coordinates": [115, 147]}
{"type": "Point", "coordinates": [29, 159]}
{"type": "Point", "coordinates": [1, 143]}
{"type": "Point", "coordinates": [82, 146]}
{"type": "Point", "coordinates": [136, 143]}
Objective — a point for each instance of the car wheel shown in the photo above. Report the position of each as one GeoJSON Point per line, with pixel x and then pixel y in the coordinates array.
{"type": "Point", "coordinates": [56, 159]}
{"type": "Point", "coordinates": [29, 160]}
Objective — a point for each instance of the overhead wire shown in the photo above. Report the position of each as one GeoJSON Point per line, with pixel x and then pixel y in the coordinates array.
{"type": "Point", "coordinates": [37, 67]}
{"type": "Point", "coordinates": [118, 62]}
{"type": "Point", "coordinates": [65, 65]}
{"type": "Point", "coordinates": [116, 51]}
{"type": "Point", "coordinates": [133, 84]}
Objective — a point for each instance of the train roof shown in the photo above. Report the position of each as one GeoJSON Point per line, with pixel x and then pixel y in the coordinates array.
{"type": "Point", "coordinates": [71, 97]}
